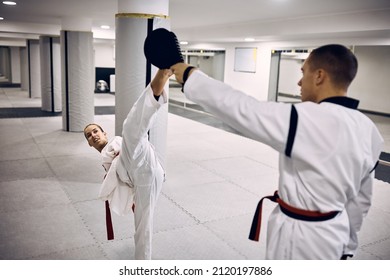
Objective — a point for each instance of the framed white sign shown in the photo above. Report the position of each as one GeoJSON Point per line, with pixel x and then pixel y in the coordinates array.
{"type": "Point", "coordinates": [245, 60]}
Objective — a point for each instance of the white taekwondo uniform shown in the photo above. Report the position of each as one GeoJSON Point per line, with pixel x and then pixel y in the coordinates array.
{"type": "Point", "coordinates": [328, 167]}
{"type": "Point", "coordinates": [134, 173]}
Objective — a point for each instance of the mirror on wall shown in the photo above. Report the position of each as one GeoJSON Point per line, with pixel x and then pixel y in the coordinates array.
{"type": "Point", "coordinates": [370, 85]}
{"type": "Point", "coordinates": [285, 73]}
{"type": "Point", "coordinates": [211, 62]}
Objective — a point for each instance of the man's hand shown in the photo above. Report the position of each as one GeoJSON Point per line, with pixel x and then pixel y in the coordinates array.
{"type": "Point", "coordinates": [159, 81]}
{"type": "Point", "coordinates": [178, 70]}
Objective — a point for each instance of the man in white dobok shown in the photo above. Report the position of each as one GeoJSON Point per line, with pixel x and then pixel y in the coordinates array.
{"type": "Point", "coordinates": [328, 153]}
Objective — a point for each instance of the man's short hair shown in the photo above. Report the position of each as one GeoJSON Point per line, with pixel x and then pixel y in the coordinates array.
{"type": "Point", "coordinates": [338, 61]}
{"type": "Point", "coordinates": [90, 125]}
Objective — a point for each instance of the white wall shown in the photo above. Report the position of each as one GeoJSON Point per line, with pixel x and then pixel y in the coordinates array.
{"type": "Point", "coordinates": [254, 84]}
{"type": "Point", "coordinates": [372, 83]}
{"type": "Point", "coordinates": [104, 54]}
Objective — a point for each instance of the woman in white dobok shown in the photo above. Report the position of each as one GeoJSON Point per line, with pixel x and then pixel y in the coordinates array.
{"type": "Point", "coordinates": [134, 173]}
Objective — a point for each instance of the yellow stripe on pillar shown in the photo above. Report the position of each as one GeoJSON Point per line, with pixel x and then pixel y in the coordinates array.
{"type": "Point", "coordinates": [138, 15]}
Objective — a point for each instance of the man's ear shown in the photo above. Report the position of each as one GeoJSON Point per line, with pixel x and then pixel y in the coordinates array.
{"type": "Point", "coordinates": [320, 75]}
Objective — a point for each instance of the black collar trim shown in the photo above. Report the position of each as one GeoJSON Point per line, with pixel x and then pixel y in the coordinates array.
{"type": "Point", "coordinates": [343, 101]}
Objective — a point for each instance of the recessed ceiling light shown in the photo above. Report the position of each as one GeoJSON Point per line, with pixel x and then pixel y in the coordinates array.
{"type": "Point", "coordinates": [1, 18]}
{"type": "Point", "coordinates": [249, 39]}
{"type": "Point", "coordinates": [105, 27]}
{"type": "Point", "coordinates": [10, 3]}
{"type": "Point", "coordinates": [183, 43]}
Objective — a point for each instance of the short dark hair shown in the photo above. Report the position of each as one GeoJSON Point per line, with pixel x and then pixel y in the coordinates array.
{"type": "Point", "coordinates": [90, 125]}
{"type": "Point", "coordinates": [338, 61]}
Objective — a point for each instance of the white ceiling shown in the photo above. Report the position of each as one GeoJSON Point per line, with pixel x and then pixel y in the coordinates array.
{"type": "Point", "coordinates": [210, 21]}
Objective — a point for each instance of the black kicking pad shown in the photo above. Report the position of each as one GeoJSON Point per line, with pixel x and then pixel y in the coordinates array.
{"type": "Point", "coordinates": [162, 48]}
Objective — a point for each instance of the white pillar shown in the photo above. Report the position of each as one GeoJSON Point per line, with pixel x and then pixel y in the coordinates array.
{"type": "Point", "coordinates": [34, 71]}
{"type": "Point", "coordinates": [15, 65]}
{"type": "Point", "coordinates": [134, 20]}
{"type": "Point", "coordinates": [77, 66]}
{"type": "Point", "coordinates": [24, 69]}
{"type": "Point", "coordinates": [4, 63]}
{"type": "Point", "coordinates": [50, 73]}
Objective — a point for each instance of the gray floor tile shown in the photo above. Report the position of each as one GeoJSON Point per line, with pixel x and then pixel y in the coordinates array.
{"type": "Point", "coordinates": [81, 191]}
{"type": "Point", "coordinates": [119, 250]}
{"type": "Point", "coordinates": [235, 231]}
{"type": "Point", "coordinates": [200, 150]}
{"type": "Point", "coordinates": [19, 149]}
{"type": "Point", "coordinates": [29, 233]}
{"type": "Point", "coordinates": [377, 250]}
{"type": "Point", "coordinates": [237, 167]}
{"type": "Point", "coordinates": [213, 201]}
{"type": "Point", "coordinates": [25, 169]}
{"type": "Point", "coordinates": [362, 254]}
{"type": "Point", "coordinates": [381, 195]}
{"type": "Point", "coordinates": [187, 173]}
{"type": "Point", "coordinates": [376, 226]}
{"type": "Point", "coordinates": [170, 215]}
{"type": "Point", "coordinates": [92, 252]}
{"type": "Point", "coordinates": [78, 168]}
{"type": "Point", "coordinates": [93, 216]}
{"type": "Point", "coordinates": [72, 147]}
{"type": "Point", "coordinates": [30, 194]}
{"type": "Point", "coordinates": [192, 243]}
{"type": "Point", "coordinates": [15, 131]}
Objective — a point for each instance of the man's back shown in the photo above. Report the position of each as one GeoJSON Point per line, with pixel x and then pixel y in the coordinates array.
{"type": "Point", "coordinates": [334, 149]}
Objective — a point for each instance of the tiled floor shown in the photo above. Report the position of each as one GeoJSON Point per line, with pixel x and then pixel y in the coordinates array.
{"type": "Point", "coordinates": [49, 181]}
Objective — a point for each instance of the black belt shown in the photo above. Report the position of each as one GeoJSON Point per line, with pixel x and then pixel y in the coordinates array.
{"type": "Point", "coordinates": [295, 213]}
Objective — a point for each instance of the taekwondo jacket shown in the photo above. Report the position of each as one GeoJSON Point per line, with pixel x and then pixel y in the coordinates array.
{"type": "Point", "coordinates": [328, 153]}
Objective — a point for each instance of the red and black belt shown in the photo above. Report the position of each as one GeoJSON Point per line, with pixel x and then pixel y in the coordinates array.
{"type": "Point", "coordinates": [295, 213]}
{"type": "Point", "coordinates": [109, 227]}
